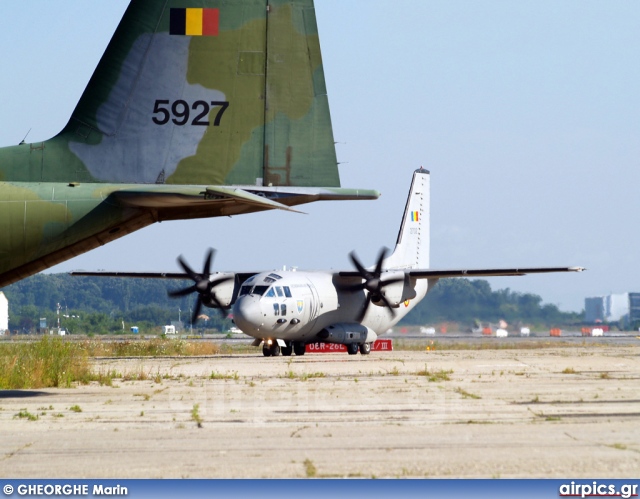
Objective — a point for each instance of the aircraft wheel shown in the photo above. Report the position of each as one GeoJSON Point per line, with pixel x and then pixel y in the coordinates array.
{"type": "Point", "coordinates": [365, 348]}
{"type": "Point", "coordinates": [286, 351]}
{"type": "Point", "coordinates": [275, 349]}
{"type": "Point", "coordinates": [352, 348]}
{"type": "Point", "coordinates": [299, 348]}
{"type": "Point", "coordinates": [266, 350]}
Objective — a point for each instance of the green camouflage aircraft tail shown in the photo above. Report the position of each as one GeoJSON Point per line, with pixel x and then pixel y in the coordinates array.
{"type": "Point", "coordinates": [198, 108]}
{"type": "Point", "coordinates": [198, 92]}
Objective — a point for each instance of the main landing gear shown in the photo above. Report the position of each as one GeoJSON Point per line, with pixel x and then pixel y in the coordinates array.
{"type": "Point", "coordinates": [354, 348]}
{"type": "Point", "coordinates": [273, 349]}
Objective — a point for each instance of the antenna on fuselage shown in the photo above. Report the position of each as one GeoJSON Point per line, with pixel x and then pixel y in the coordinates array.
{"type": "Point", "coordinates": [25, 137]}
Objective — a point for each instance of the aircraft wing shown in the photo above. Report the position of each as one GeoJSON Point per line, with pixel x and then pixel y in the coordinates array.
{"type": "Point", "coordinates": [240, 276]}
{"type": "Point", "coordinates": [442, 273]}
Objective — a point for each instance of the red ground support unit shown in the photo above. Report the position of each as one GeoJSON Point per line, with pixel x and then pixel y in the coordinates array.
{"type": "Point", "coordinates": [378, 346]}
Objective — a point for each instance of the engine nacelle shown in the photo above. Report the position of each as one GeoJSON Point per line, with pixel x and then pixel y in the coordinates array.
{"type": "Point", "coordinates": [346, 333]}
{"type": "Point", "coordinates": [397, 292]}
{"type": "Point", "coordinates": [224, 291]}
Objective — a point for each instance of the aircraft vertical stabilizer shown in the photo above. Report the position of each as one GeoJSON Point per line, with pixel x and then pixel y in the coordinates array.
{"type": "Point", "coordinates": [198, 92]}
{"type": "Point", "coordinates": [412, 246]}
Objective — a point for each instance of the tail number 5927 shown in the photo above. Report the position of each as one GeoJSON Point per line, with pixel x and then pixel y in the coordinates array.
{"type": "Point", "coordinates": [179, 112]}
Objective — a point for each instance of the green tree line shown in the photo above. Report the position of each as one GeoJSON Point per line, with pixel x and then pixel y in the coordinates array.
{"type": "Point", "coordinates": [101, 304]}
{"type": "Point", "coordinates": [465, 301]}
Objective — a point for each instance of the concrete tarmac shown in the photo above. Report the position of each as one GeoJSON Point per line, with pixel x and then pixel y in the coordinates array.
{"type": "Point", "coordinates": [569, 412]}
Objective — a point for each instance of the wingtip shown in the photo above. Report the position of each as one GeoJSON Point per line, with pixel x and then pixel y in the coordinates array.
{"type": "Point", "coordinates": [577, 269]}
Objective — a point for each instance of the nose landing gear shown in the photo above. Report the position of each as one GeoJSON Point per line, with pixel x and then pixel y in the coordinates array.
{"type": "Point", "coordinates": [272, 350]}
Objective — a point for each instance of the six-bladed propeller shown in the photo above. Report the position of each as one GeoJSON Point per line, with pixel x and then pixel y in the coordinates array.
{"type": "Point", "coordinates": [203, 285]}
{"type": "Point", "coordinates": [373, 284]}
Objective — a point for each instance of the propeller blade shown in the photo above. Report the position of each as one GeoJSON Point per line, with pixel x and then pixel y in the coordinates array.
{"type": "Point", "coordinates": [363, 312]}
{"type": "Point", "coordinates": [207, 263]}
{"type": "Point", "coordinates": [185, 266]}
{"type": "Point", "coordinates": [388, 305]}
{"type": "Point", "coordinates": [182, 292]}
{"type": "Point", "coordinates": [196, 311]}
{"type": "Point", "coordinates": [381, 256]}
{"type": "Point", "coordinates": [223, 310]}
{"type": "Point", "coordinates": [356, 263]}
{"type": "Point", "coordinates": [220, 281]}
{"type": "Point", "coordinates": [391, 281]}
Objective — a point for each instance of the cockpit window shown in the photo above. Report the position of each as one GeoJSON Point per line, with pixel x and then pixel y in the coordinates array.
{"type": "Point", "coordinates": [245, 290]}
{"type": "Point", "coordinates": [259, 290]}
{"type": "Point", "coordinates": [269, 280]}
{"type": "Point", "coordinates": [287, 291]}
{"type": "Point", "coordinates": [279, 291]}
{"type": "Point", "coordinates": [270, 293]}
{"type": "Point", "coordinates": [275, 276]}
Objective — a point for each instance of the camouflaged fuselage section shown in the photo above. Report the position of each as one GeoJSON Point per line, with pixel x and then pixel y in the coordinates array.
{"type": "Point", "coordinates": [39, 219]}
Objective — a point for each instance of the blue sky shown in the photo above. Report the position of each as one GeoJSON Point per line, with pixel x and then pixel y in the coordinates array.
{"type": "Point", "coordinates": [527, 114]}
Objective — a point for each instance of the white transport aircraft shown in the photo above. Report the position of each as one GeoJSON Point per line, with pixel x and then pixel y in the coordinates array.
{"type": "Point", "coordinates": [285, 310]}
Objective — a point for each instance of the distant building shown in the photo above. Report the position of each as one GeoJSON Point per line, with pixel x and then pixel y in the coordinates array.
{"type": "Point", "coordinates": [4, 313]}
{"type": "Point", "coordinates": [634, 309]}
{"type": "Point", "coordinates": [622, 307]}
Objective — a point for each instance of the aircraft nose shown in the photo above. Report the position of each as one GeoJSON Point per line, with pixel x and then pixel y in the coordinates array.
{"type": "Point", "coordinates": [247, 313]}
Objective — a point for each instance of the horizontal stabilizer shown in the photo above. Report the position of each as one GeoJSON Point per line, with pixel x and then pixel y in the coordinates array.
{"type": "Point", "coordinates": [247, 197]}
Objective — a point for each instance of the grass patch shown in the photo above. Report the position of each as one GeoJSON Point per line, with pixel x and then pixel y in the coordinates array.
{"type": "Point", "coordinates": [310, 468]}
{"type": "Point", "coordinates": [618, 446]}
{"type": "Point", "coordinates": [217, 375]}
{"type": "Point", "coordinates": [24, 414]}
{"type": "Point", "coordinates": [481, 344]}
{"type": "Point", "coordinates": [49, 362]}
{"type": "Point", "coordinates": [435, 376]}
{"type": "Point", "coordinates": [569, 370]}
{"type": "Point", "coordinates": [75, 408]}
{"type": "Point", "coordinates": [195, 415]}
{"type": "Point", "coordinates": [466, 394]}
{"type": "Point", "coordinates": [304, 376]}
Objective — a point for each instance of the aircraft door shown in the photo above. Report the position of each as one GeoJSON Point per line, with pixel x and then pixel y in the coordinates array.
{"type": "Point", "coordinates": [314, 305]}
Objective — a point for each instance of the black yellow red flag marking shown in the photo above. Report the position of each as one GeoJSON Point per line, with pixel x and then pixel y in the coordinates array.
{"type": "Point", "coordinates": [194, 22]}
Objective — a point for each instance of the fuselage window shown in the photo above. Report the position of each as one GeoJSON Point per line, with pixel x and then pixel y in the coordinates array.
{"type": "Point", "coordinates": [279, 291]}
{"type": "Point", "coordinates": [270, 293]}
{"type": "Point", "coordinates": [245, 290]}
{"type": "Point", "coordinates": [259, 290]}
{"type": "Point", "coordinates": [276, 309]}
{"type": "Point", "coordinates": [287, 291]}
{"type": "Point", "coordinates": [283, 309]}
